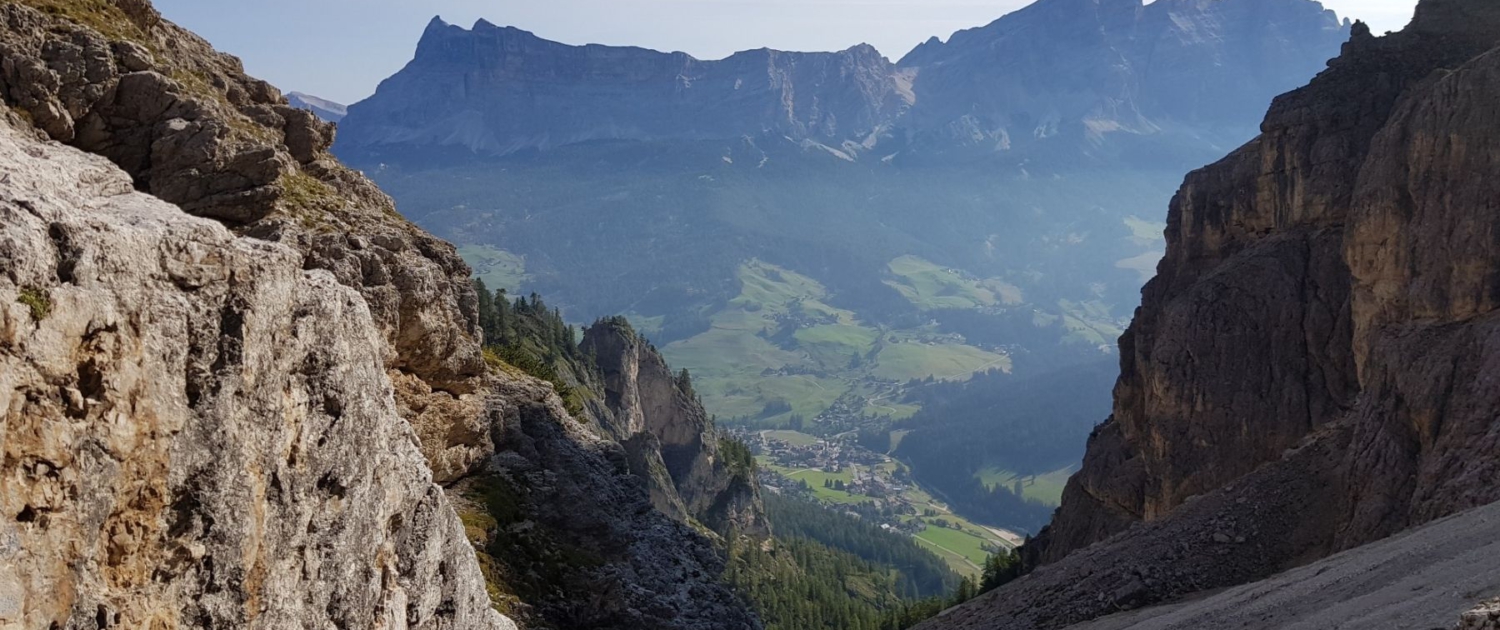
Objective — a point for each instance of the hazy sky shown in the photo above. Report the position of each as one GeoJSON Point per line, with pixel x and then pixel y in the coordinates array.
{"type": "Point", "coordinates": [340, 49]}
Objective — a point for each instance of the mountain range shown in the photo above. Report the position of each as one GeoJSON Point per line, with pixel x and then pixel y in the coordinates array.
{"type": "Point", "coordinates": [816, 235]}
{"type": "Point", "coordinates": [1058, 78]}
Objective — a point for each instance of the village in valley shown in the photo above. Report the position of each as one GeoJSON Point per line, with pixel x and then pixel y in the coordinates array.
{"type": "Point", "coordinates": [840, 473]}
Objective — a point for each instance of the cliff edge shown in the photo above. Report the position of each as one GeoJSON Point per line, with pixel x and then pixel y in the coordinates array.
{"type": "Point", "coordinates": [1313, 368]}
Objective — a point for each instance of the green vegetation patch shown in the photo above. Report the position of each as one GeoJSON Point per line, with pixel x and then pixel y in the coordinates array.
{"type": "Point", "coordinates": [942, 361]}
{"type": "Point", "coordinates": [37, 301]}
{"type": "Point", "coordinates": [931, 287]}
{"type": "Point", "coordinates": [104, 16]}
{"type": "Point", "coordinates": [737, 458]}
{"type": "Point", "coordinates": [961, 543]}
{"type": "Point", "coordinates": [500, 269]}
{"type": "Point", "coordinates": [1089, 323]}
{"type": "Point", "coordinates": [309, 200]}
{"type": "Point", "coordinates": [1047, 488]}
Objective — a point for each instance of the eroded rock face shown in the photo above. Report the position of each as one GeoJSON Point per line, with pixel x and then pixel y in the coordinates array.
{"type": "Point", "coordinates": [651, 412]}
{"type": "Point", "coordinates": [573, 531]}
{"type": "Point", "coordinates": [1314, 367]}
{"type": "Point", "coordinates": [286, 497]}
{"type": "Point", "coordinates": [197, 431]}
{"type": "Point", "coordinates": [1297, 273]}
{"type": "Point", "coordinates": [485, 89]}
{"type": "Point", "coordinates": [192, 129]}
{"type": "Point", "coordinates": [1483, 617]}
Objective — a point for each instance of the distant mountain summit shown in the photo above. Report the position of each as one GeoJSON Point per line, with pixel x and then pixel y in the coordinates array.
{"type": "Point", "coordinates": [1060, 73]}
{"type": "Point", "coordinates": [500, 90]}
{"type": "Point", "coordinates": [327, 110]}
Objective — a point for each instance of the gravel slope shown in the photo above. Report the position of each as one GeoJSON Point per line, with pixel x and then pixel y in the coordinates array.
{"type": "Point", "coordinates": [1425, 578]}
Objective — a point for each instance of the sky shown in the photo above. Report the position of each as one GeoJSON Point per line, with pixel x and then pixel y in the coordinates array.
{"type": "Point", "coordinates": [342, 49]}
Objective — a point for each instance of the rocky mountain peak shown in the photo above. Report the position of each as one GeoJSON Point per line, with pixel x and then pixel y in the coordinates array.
{"type": "Point", "coordinates": [1057, 78]}
{"type": "Point", "coordinates": [660, 420]}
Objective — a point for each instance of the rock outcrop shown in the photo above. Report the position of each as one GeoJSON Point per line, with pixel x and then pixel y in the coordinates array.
{"type": "Point", "coordinates": [1060, 75]}
{"type": "Point", "coordinates": [1484, 617]}
{"type": "Point", "coordinates": [143, 460]}
{"type": "Point", "coordinates": [192, 129]}
{"type": "Point", "coordinates": [1314, 367]}
{"type": "Point", "coordinates": [197, 431]}
{"type": "Point", "coordinates": [657, 417]}
{"type": "Point", "coordinates": [571, 534]}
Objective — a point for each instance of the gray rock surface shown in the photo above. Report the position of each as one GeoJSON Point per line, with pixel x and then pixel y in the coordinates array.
{"type": "Point", "coordinates": [188, 126]}
{"type": "Point", "coordinates": [1415, 580]}
{"type": "Point", "coordinates": [656, 419]}
{"type": "Point", "coordinates": [573, 532]}
{"type": "Point", "coordinates": [197, 431]}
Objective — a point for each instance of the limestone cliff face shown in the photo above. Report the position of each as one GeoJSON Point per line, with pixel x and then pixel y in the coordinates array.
{"type": "Point", "coordinates": [486, 89]}
{"type": "Point", "coordinates": [197, 431]}
{"type": "Point", "coordinates": [1064, 79]}
{"type": "Point", "coordinates": [652, 412]}
{"type": "Point", "coordinates": [570, 532]}
{"type": "Point", "coordinates": [1314, 367]}
{"type": "Point", "coordinates": [1290, 261]}
{"type": "Point", "coordinates": [204, 407]}
{"type": "Point", "coordinates": [1076, 73]}
{"type": "Point", "coordinates": [192, 129]}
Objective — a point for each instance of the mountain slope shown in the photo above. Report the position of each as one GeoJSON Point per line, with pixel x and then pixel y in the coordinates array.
{"type": "Point", "coordinates": [143, 485]}
{"type": "Point", "coordinates": [1092, 76]}
{"type": "Point", "coordinates": [1425, 578]}
{"type": "Point", "coordinates": [1312, 370]}
{"type": "Point", "coordinates": [275, 349]}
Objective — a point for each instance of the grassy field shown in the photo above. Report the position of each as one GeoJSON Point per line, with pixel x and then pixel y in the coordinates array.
{"type": "Point", "coordinates": [1144, 264]}
{"type": "Point", "coordinates": [815, 480]}
{"type": "Point", "coordinates": [1090, 323]}
{"type": "Point", "coordinates": [741, 372]}
{"type": "Point", "coordinates": [946, 361]}
{"type": "Point", "coordinates": [954, 542]}
{"type": "Point", "coordinates": [1047, 488]}
{"type": "Point", "coordinates": [498, 268]}
{"type": "Point", "coordinates": [932, 287]}
{"type": "Point", "coordinates": [897, 436]}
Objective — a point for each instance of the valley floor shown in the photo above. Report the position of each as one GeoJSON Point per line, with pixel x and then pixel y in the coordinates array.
{"type": "Point", "coordinates": [841, 475]}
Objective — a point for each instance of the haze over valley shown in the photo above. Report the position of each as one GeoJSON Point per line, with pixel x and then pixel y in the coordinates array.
{"type": "Point", "coordinates": [830, 241]}
{"type": "Point", "coordinates": [1104, 314]}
